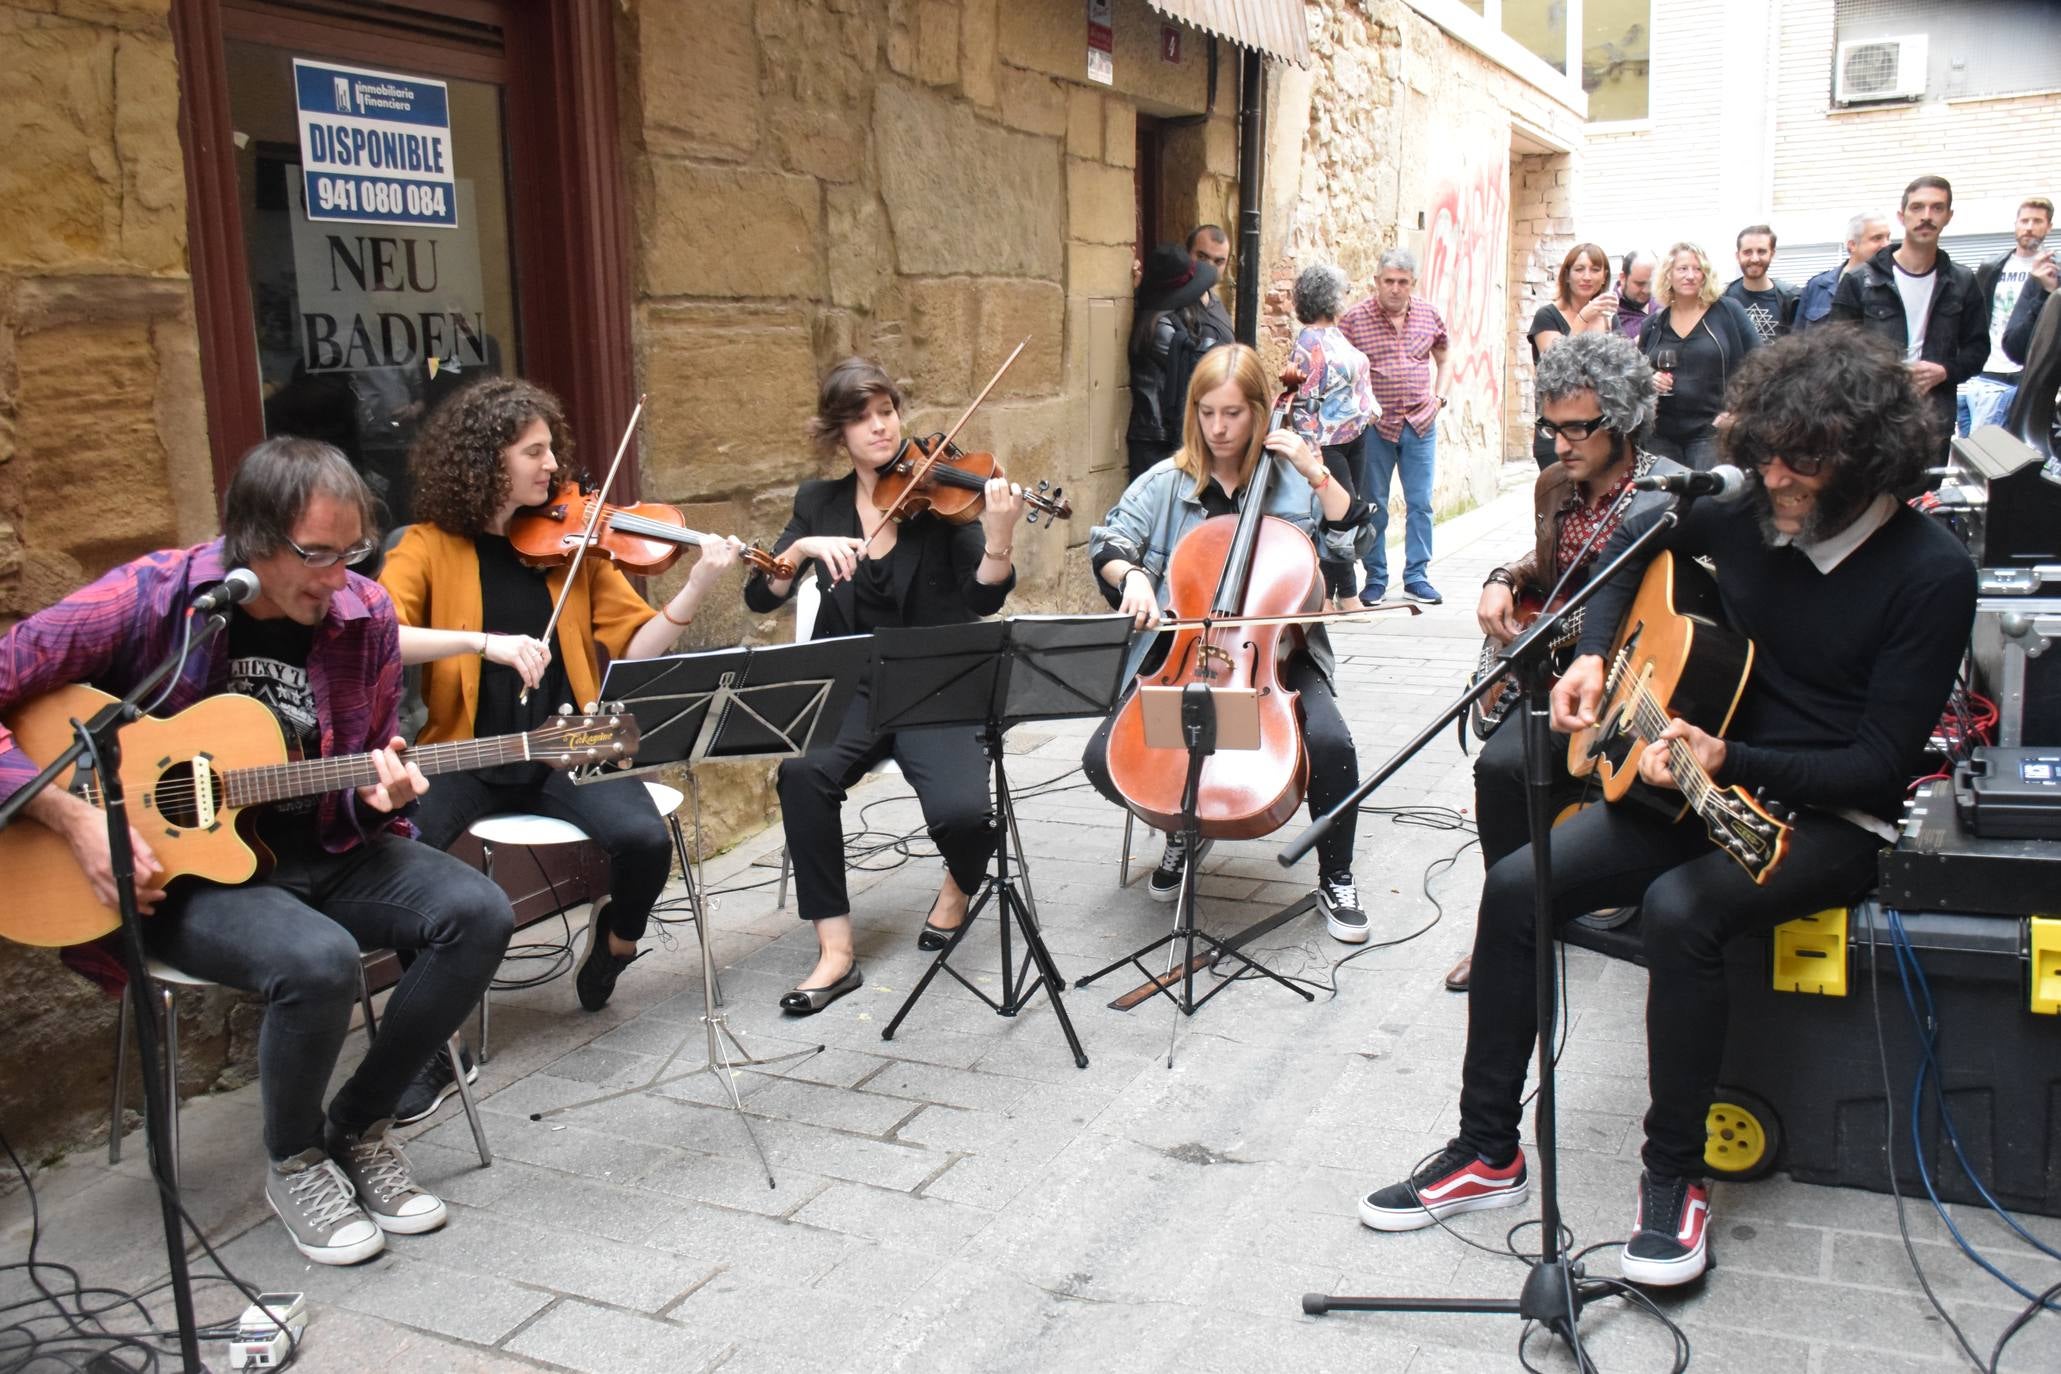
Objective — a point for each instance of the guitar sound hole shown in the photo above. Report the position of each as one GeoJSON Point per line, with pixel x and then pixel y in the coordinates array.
{"type": "Point", "coordinates": [175, 798]}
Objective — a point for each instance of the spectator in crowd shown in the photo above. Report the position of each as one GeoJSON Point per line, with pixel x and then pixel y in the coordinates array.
{"type": "Point", "coordinates": [1405, 343]}
{"type": "Point", "coordinates": [1769, 303]}
{"type": "Point", "coordinates": [1695, 345]}
{"type": "Point", "coordinates": [1582, 303]}
{"type": "Point", "coordinates": [1332, 408]}
{"type": "Point", "coordinates": [1165, 345]}
{"type": "Point", "coordinates": [1210, 244]}
{"type": "Point", "coordinates": [1635, 291]}
{"type": "Point", "coordinates": [1985, 399]}
{"type": "Point", "coordinates": [1866, 235]}
{"type": "Point", "coordinates": [1920, 300]}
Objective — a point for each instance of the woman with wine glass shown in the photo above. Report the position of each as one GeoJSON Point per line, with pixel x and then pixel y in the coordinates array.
{"type": "Point", "coordinates": [1582, 303]}
{"type": "Point", "coordinates": [1695, 341]}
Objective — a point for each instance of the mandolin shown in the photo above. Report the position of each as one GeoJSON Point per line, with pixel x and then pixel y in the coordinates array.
{"type": "Point", "coordinates": [188, 778]}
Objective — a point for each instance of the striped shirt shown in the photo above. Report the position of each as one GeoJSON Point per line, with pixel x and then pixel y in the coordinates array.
{"type": "Point", "coordinates": [1400, 362]}
{"type": "Point", "coordinates": [112, 632]}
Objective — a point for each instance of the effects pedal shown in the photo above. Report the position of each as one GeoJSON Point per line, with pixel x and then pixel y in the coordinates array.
{"type": "Point", "coordinates": [267, 1331]}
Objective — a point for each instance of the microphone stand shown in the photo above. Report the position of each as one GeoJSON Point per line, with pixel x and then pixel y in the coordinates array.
{"type": "Point", "coordinates": [1554, 1291]}
{"type": "Point", "coordinates": [99, 742]}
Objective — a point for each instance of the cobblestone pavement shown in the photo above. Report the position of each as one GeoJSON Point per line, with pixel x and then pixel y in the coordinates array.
{"type": "Point", "coordinates": [964, 1197]}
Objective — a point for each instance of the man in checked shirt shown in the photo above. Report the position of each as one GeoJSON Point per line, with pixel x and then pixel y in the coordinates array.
{"type": "Point", "coordinates": [1405, 343]}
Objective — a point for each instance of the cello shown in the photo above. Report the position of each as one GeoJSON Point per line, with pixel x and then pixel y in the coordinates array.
{"type": "Point", "coordinates": [1260, 571]}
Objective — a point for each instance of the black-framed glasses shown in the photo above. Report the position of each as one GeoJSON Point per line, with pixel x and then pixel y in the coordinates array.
{"type": "Point", "coordinates": [329, 558]}
{"type": "Point", "coordinates": [1575, 430]}
{"type": "Point", "coordinates": [1802, 464]}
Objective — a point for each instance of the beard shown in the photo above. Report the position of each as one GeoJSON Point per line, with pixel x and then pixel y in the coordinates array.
{"type": "Point", "coordinates": [1839, 503]}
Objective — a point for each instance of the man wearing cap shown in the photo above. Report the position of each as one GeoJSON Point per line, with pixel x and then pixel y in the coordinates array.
{"type": "Point", "coordinates": [1168, 335]}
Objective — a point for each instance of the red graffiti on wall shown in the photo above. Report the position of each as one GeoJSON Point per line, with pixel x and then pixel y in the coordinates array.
{"type": "Point", "coordinates": [1464, 249]}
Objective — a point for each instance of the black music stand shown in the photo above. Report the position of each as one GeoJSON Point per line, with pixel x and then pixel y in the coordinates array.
{"type": "Point", "coordinates": [995, 674]}
{"type": "Point", "coordinates": [729, 704]}
{"type": "Point", "coordinates": [1208, 720]}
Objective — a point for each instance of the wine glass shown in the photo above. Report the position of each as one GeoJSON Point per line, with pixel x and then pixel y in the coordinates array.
{"type": "Point", "coordinates": [1665, 357]}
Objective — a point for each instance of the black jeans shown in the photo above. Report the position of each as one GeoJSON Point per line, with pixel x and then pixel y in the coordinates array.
{"type": "Point", "coordinates": [1698, 451]}
{"type": "Point", "coordinates": [1342, 461]}
{"type": "Point", "coordinates": [617, 815]}
{"type": "Point", "coordinates": [944, 765]}
{"type": "Point", "coordinates": [1500, 816]}
{"type": "Point", "coordinates": [1334, 765]}
{"type": "Point", "coordinates": [1693, 902]}
{"type": "Point", "coordinates": [295, 937]}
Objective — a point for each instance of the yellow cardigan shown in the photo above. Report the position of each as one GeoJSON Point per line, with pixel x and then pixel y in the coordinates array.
{"type": "Point", "coordinates": [433, 577]}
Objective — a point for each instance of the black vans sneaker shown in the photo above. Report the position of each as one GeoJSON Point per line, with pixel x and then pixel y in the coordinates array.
{"type": "Point", "coordinates": [1670, 1239]}
{"type": "Point", "coordinates": [1456, 1181]}
{"type": "Point", "coordinates": [1340, 901]}
{"type": "Point", "coordinates": [1165, 883]}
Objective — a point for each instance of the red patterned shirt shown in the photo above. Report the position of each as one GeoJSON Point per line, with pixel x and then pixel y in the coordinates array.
{"type": "Point", "coordinates": [1399, 362]}
{"type": "Point", "coordinates": [1579, 519]}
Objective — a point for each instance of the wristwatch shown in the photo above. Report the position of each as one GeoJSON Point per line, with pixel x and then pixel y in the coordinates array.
{"type": "Point", "coordinates": [1501, 575]}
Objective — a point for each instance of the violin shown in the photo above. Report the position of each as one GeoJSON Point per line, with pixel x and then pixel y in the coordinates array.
{"type": "Point", "coordinates": [644, 539]}
{"type": "Point", "coordinates": [1260, 571]}
{"type": "Point", "coordinates": [936, 475]}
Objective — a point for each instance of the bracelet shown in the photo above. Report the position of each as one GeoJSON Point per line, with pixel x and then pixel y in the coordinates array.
{"type": "Point", "coordinates": [1323, 480]}
{"type": "Point", "coordinates": [666, 610]}
{"type": "Point", "coordinates": [1502, 576]}
{"type": "Point", "coordinates": [482, 643]}
{"type": "Point", "coordinates": [1002, 554]}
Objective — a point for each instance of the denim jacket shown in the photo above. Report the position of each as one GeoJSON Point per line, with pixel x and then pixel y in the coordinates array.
{"type": "Point", "coordinates": [1157, 509]}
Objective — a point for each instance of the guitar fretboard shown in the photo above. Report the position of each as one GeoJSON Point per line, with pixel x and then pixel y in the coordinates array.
{"type": "Point", "coordinates": [276, 782]}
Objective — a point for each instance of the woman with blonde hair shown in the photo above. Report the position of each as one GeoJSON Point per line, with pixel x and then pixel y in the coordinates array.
{"type": "Point", "coordinates": [1695, 340]}
{"type": "Point", "coordinates": [1582, 303]}
{"type": "Point", "coordinates": [1226, 435]}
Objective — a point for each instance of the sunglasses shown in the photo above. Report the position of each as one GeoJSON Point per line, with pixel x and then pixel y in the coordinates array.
{"type": "Point", "coordinates": [1803, 465]}
{"type": "Point", "coordinates": [1575, 430]}
{"type": "Point", "coordinates": [329, 558]}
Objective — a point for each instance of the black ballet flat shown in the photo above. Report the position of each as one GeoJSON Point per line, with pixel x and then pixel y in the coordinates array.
{"type": "Point", "coordinates": [809, 1001]}
{"type": "Point", "coordinates": [932, 938]}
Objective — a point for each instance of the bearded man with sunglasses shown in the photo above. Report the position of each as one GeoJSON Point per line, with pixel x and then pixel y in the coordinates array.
{"type": "Point", "coordinates": [319, 645]}
{"type": "Point", "coordinates": [1596, 406]}
{"type": "Point", "coordinates": [1859, 609]}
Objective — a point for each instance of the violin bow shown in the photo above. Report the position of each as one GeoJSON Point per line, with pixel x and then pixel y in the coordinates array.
{"type": "Point", "coordinates": [572, 569]}
{"type": "Point", "coordinates": [1208, 622]}
{"type": "Point", "coordinates": [925, 463]}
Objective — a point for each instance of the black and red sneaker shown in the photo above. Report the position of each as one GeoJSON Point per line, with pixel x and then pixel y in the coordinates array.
{"type": "Point", "coordinates": [1670, 1240]}
{"type": "Point", "coordinates": [1457, 1181]}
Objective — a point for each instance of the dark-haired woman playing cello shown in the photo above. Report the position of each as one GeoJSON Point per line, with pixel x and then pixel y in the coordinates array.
{"type": "Point", "coordinates": [1225, 437]}
{"type": "Point", "coordinates": [874, 572]}
{"type": "Point", "coordinates": [475, 615]}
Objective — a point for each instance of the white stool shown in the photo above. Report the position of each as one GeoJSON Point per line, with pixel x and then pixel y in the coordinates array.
{"type": "Point", "coordinates": [166, 982]}
{"type": "Point", "coordinates": [527, 830]}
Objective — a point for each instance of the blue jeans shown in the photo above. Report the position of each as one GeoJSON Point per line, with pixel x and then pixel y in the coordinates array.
{"type": "Point", "coordinates": [1982, 401]}
{"type": "Point", "coordinates": [1417, 455]}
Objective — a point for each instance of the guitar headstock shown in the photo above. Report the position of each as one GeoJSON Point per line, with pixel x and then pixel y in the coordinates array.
{"type": "Point", "coordinates": [605, 734]}
{"type": "Point", "coordinates": [1747, 830]}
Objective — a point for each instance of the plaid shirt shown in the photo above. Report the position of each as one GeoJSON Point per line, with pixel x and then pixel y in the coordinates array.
{"type": "Point", "coordinates": [1400, 362]}
{"type": "Point", "coordinates": [112, 632]}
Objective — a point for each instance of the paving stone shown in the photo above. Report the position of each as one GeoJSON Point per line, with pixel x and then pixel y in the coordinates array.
{"type": "Point", "coordinates": [465, 1307]}
{"type": "Point", "coordinates": [579, 1335]}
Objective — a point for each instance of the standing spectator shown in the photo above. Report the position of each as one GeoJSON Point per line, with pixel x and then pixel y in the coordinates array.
{"type": "Point", "coordinates": [1164, 349]}
{"type": "Point", "coordinates": [1332, 408]}
{"type": "Point", "coordinates": [1769, 303]}
{"type": "Point", "coordinates": [1985, 399]}
{"type": "Point", "coordinates": [1582, 302]}
{"type": "Point", "coordinates": [1405, 343]}
{"type": "Point", "coordinates": [1916, 297]}
{"type": "Point", "coordinates": [1209, 244]}
{"type": "Point", "coordinates": [1695, 345]}
{"type": "Point", "coordinates": [1635, 292]}
{"type": "Point", "coordinates": [1866, 235]}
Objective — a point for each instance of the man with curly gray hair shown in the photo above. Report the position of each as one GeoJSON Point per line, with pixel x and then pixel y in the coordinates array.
{"type": "Point", "coordinates": [1596, 403]}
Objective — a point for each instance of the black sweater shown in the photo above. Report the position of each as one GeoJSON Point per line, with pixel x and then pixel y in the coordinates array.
{"type": "Point", "coordinates": [1851, 668]}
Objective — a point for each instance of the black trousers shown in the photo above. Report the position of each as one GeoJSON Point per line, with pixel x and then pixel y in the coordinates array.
{"type": "Point", "coordinates": [1334, 765]}
{"type": "Point", "coordinates": [1500, 817]}
{"type": "Point", "coordinates": [944, 765]}
{"type": "Point", "coordinates": [1693, 902]}
{"type": "Point", "coordinates": [1342, 461]}
{"type": "Point", "coordinates": [617, 815]}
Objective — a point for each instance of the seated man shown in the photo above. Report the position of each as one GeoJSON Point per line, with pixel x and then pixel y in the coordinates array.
{"type": "Point", "coordinates": [1859, 609]}
{"type": "Point", "coordinates": [1596, 402]}
{"type": "Point", "coordinates": [318, 645]}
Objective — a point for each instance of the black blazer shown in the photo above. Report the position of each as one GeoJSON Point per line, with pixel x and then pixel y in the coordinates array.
{"type": "Point", "coordinates": [936, 587]}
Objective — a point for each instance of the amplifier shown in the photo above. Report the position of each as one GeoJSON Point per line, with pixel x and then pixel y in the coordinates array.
{"type": "Point", "coordinates": [2009, 794]}
{"type": "Point", "coordinates": [1938, 866]}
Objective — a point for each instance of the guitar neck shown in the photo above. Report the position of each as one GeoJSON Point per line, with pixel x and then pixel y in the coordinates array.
{"type": "Point", "coordinates": [279, 782]}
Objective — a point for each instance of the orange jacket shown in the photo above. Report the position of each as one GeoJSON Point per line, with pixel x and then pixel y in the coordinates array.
{"type": "Point", "coordinates": [433, 577]}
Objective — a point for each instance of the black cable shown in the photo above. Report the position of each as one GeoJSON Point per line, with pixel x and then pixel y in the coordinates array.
{"type": "Point", "coordinates": [2019, 1323]}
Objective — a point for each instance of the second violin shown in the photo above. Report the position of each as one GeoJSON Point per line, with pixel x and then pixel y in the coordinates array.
{"type": "Point", "coordinates": [643, 539]}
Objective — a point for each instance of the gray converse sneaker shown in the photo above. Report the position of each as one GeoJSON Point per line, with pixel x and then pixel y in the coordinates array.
{"type": "Point", "coordinates": [386, 1189]}
{"type": "Point", "coordinates": [314, 1199]}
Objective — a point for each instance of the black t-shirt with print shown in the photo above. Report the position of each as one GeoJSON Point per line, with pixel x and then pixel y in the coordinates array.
{"type": "Point", "coordinates": [268, 660]}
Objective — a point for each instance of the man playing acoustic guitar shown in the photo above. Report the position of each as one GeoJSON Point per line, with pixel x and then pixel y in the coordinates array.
{"type": "Point", "coordinates": [317, 644]}
{"type": "Point", "coordinates": [1859, 609]}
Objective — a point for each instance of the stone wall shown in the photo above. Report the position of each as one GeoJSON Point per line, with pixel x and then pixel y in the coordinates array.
{"type": "Point", "coordinates": [1542, 230]}
{"type": "Point", "coordinates": [1403, 135]}
{"type": "Point", "coordinates": [103, 441]}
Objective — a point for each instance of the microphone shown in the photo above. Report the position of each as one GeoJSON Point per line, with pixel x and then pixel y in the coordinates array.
{"type": "Point", "coordinates": [239, 586]}
{"type": "Point", "coordinates": [1724, 482]}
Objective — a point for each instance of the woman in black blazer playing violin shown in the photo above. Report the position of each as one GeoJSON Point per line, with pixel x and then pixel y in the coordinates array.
{"type": "Point", "coordinates": [874, 572]}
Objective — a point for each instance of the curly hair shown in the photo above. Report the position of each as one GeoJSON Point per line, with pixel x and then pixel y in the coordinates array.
{"type": "Point", "coordinates": [1609, 365]}
{"type": "Point", "coordinates": [848, 389]}
{"type": "Point", "coordinates": [1838, 394]}
{"type": "Point", "coordinates": [1319, 293]}
{"type": "Point", "coordinates": [1563, 283]}
{"type": "Point", "coordinates": [455, 461]}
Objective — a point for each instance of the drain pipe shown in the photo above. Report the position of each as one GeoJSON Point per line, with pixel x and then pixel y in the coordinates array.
{"type": "Point", "coordinates": [1252, 92]}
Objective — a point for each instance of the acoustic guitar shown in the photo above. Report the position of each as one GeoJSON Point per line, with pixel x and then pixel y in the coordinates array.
{"type": "Point", "coordinates": [1674, 658]}
{"type": "Point", "coordinates": [188, 778]}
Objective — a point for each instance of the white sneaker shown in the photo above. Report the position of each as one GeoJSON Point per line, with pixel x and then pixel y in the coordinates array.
{"type": "Point", "coordinates": [315, 1200]}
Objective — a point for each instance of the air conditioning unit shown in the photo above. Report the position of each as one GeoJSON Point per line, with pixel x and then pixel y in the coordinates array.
{"type": "Point", "coordinates": [1880, 69]}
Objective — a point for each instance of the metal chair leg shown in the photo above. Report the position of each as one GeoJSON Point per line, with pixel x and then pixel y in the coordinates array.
{"type": "Point", "coordinates": [486, 866]}
{"type": "Point", "coordinates": [171, 1072]}
{"type": "Point", "coordinates": [1123, 860]}
{"type": "Point", "coordinates": [785, 868]}
{"type": "Point", "coordinates": [456, 1049]}
{"type": "Point", "coordinates": [121, 1066]}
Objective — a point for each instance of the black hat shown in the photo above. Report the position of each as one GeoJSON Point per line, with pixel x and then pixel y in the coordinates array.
{"type": "Point", "coordinates": [1173, 280]}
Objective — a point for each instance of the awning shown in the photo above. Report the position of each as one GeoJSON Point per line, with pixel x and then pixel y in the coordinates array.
{"type": "Point", "coordinates": [1274, 27]}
